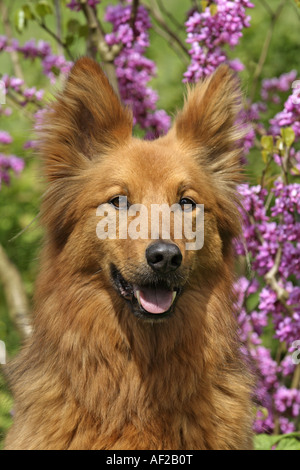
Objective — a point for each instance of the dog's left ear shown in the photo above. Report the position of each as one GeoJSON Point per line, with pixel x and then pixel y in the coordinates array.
{"type": "Point", "coordinates": [86, 120]}
{"type": "Point", "coordinates": [207, 126]}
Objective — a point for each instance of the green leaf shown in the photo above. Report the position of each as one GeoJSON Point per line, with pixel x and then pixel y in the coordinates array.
{"type": "Point", "coordinates": [279, 145]}
{"type": "Point", "coordinates": [69, 40]}
{"type": "Point", "coordinates": [267, 143]}
{"type": "Point", "coordinates": [288, 136]}
{"type": "Point", "coordinates": [284, 442]}
{"type": "Point", "coordinates": [289, 443]}
{"type": "Point", "coordinates": [73, 26]}
{"type": "Point", "coordinates": [20, 21]}
{"type": "Point", "coordinates": [43, 8]}
{"type": "Point", "coordinates": [28, 11]}
{"type": "Point", "coordinates": [84, 31]}
{"type": "Point", "coordinates": [265, 155]}
{"type": "Point", "coordinates": [213, 9]}
{"type": "Point", "coordinates": [265, 442]}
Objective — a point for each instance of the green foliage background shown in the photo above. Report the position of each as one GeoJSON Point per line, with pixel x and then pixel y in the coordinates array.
{"type": "Point", "coordinates": [19, 203]}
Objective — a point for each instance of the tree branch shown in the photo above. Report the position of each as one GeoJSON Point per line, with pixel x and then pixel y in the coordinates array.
{"type": "Point", "coordinates": [169, 15]}
{"type": "Point", "coordinates": [267, 7]}
{"type": "Point", "coordinates": [15, 295]}
{"type": "Point", "coordinates": [8, 31]}
{"type": "Point", "coordinates": [296, 378]}
{"type": "Point", "coordinates": [156, 13]}
{"type": "Point", "coordinates": [271, 280]}
{"type": "Point", "coordinates": [59, 41]}
{"type": "Point", "coordinates": [134, 11]}
{"type": "Point", "coordinates": [265, 49]}
{"type": "Point", "coordinates": [99, 45]}
{"type": "Point", "coordinates": [59, 27]}
{"type": "Point", "coordinates": [174, 46]}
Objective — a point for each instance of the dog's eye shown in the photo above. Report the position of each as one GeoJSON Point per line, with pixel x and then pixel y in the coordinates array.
{"type": "Point", "coordinates": [187, 205]}
{"type": "Point", "coordinates": [120, 202]}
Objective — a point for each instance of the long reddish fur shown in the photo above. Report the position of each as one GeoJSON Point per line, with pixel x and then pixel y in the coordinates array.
{"type": "Point", "coordinates": [93, 376]}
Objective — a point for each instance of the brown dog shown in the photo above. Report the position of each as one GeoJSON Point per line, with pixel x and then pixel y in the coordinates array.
{"type": "Point", "coordinates": [135, 341]}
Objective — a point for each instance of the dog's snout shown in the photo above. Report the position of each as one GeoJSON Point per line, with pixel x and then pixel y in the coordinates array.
{"type": "Point", "coordinates": [164, 257]}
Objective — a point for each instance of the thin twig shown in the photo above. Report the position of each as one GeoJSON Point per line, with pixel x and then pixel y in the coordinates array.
{"type": "Point", "coordinates": [271, 276]}
{"type": "Point", "coordinates": [271, 280]}
{"type": "Point", "coordinates": [296, 378]}
{"type": "Point", "coordinates": [134, 11]}
{"type": "Point", "coordinates": [296, 8]}
{"type": "Point", "coordinates": [59, 26]}
{"type": "Point", "coordinates": [285, 166]}
{"type": "Point", "coordinates": [267, 7]}
{"type": "Point", "coordinates": [156, 14]}
{"type": "Point", "coordinates": [59, 41]}
{"type": "Point", "coordinates": [174, 46]}
{"type": "Point", "coordinates": [265, 50]}
{"type": "Point", "coordinates": [265, 170]}
{"type": "Point", "coordinates": [8, 31]}
{"type": "Point", "coordinates": [99, 45]}
{"type": "Point", "coordinates": [15, 295]}
{"type": "Point", "coordinates": [169, 15]}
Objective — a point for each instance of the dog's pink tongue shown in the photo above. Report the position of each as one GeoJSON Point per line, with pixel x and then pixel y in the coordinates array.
{"type": "Point", "coordinates": [156, 301]}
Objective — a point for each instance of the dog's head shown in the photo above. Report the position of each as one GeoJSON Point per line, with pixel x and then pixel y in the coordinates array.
{"type": "Point", "coordinates": [105, 188]}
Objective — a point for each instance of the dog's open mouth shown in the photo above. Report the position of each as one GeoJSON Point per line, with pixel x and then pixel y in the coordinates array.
{"type": "Point", "coordinates": [151, 301]}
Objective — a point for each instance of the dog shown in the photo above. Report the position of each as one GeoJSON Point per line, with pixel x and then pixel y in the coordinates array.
{"type": "Point", "coordinates": [135, 343]}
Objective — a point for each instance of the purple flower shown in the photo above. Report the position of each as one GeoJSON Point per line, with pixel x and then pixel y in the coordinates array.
{"type": "Point", "coordinates": [286, 426]}
{"type": "Point", "coordinates": [290, 115]}
{"type": "Point", "coordinates": [75, 4]}
{"type": "Point", "coordinates": [287, 400]}
{"type": "Point", "coordinates": [8, 163]}
{"type": "Point", "coordinates": [5, 138]}
{"type": "Point", "coordinates": [134, 70]}
{"type": "Point", "coordinates": [271, 87]}
{"type": "Point", "coordinates": [208, 32]}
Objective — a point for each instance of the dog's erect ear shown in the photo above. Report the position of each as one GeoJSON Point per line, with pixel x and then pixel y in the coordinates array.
{"type": "Point", "coordinates": [209, 128]}
{"type": "Point", "coordinates": [208, 125]}
{"type": "Point", "coordinates": [86, 120]}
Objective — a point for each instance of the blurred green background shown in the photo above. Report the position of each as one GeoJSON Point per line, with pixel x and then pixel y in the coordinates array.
{"type": "Point", "coordinates": [19, 203]}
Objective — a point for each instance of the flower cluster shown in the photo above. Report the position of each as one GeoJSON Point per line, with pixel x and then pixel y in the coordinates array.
{"type": "Point", "coordinates": [8, 163]}
{"type": "Point", "coordinates": [76, 6]}
{"type": "Point", "coordinates": [25, 95]}
{"type": "Point", "coordinates": [272, 239]}
{"type": "Point", "coordinates": [221, 23]}
{"type": "Point", "coordinates": [134, 70]}
{"type": "Point", "coordinates": [52, 64]}
{"type": "Point", "coordinates": [271, 87]}
{"type": "Point", "coordinates": [290, 116]}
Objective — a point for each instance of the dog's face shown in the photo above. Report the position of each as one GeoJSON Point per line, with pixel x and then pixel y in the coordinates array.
{"type": "Point", "coordinates": [93, 162]}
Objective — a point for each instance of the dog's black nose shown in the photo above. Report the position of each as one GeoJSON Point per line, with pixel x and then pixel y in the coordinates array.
{"type": "Point", "coordinates": [164, 257]}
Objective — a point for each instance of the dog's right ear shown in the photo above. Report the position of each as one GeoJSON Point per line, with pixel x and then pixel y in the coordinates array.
{"type": "Point", "coordinates": [85, 121]}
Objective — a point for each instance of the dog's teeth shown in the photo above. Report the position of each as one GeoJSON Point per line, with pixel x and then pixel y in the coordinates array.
{"type": "Point", "coordinates": [174, 296]}
{"type": "Point", "coordinates": [138, 296]}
